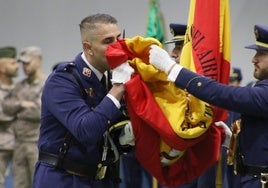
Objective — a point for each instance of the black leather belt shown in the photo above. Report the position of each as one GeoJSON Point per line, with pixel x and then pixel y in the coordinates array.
{"type": "Point", "coordinates": [68, 165]}
{"type": "Point", "coordinates": [255, 170]}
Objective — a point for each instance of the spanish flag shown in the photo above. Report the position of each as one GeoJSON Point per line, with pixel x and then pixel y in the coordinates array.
{"type": "Point", "coordinates": [173, 130]}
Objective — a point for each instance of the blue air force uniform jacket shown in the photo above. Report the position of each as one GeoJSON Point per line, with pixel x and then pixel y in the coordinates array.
{"type": "Point", "coordinates": [64, 109]}
{"type": "Point", "coordinates": [251, 102]}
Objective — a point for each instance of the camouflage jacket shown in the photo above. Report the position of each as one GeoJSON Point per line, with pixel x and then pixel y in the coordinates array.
{"type": "Point", "coordinates": [27, 123]}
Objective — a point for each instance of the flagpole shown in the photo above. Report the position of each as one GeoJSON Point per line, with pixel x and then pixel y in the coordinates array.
{"type": "Point", "coordinates": [154, 182]}
{"type": "Point", "coordinates": [219, 179]}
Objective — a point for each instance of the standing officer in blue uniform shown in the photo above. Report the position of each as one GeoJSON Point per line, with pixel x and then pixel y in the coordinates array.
{"type": "Point", "coordinates": [75, 150]}
{"type": "Point", "coordinates": [251, 102]}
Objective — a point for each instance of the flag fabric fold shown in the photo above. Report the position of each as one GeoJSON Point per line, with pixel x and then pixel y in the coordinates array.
{"type": "Point", "coordinates": [158, 112]}
{"type": "Point", "coordinates": [166, 118]}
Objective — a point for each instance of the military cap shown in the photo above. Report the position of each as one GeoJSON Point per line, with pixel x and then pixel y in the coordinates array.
{"type": "Point", "coordinates": [235, 75]}
{"type": "Point", "coordinates": [8, 51]}
{"type": "Point", "coordinates": [178, 31]}
{"type": "Point", "coordinates": [27, 54]}
{"type": "Point", "coordinates": [261, 35]}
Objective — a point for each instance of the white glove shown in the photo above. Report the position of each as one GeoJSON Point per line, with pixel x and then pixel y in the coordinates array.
{"type": "Point", "coordinates": [122, 73]}
{"type": "Point", "coordinates": [160, 59]}
{"type": "Point", "coordinates": [228, 133]}
{"type": "Point", "coordinates": [126, 136]}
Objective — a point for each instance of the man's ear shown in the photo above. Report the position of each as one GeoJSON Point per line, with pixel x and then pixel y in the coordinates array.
{"type": "Point", "coordinates": [87, 48]}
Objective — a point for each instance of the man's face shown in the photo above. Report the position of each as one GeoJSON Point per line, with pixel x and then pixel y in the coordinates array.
{"type": "Point", "coordinates": [31, 67]}
{"type": "Point", "coordinates": [176, 52]}
{"type": "Point", "coordinates": [260, 61]}
{"type": "Point", "coordinates": [9, 67]}
{"type": "Point", "coordinates": [103, 36]}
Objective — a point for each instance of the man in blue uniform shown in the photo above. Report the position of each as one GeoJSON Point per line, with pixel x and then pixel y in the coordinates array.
{"type": "Point", "coordinates": [251, 102]}
{"type": "Point", "coordinates": [75, 150]}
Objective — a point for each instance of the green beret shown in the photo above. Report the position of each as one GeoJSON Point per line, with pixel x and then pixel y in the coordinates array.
{"type": "Point", "coordinates": [8, 52]}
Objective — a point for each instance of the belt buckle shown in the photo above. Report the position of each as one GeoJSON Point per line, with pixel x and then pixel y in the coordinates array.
{"type": "Point", "coordinates": [264, 179]}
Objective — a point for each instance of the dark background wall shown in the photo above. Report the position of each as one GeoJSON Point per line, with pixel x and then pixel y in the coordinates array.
{"type": "Point", "coordinates": [53, 25]}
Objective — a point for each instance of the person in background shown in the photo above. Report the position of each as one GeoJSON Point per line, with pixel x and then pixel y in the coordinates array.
{"type": "Point", "coordinates": [79, 106]}
{"type": "Point", "coordinates": [178, 31]}
{"type": "Point", "coordinates": [250, 102]}
{"type": "Point", "coordinates": [235, 77]}
{"type": "Point", "coordinates": [8, 70]}
{"type": "Point", "coordinates": [24, 103]}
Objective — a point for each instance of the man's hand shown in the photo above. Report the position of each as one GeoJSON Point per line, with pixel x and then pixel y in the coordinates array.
{"type": "Point", "coordinates": [161, 59]}
{"type": "Point", "coordinates": [228, 133]}
{"type": "Point", "coordinates": [27, 104]}
{"type": "Point", "coordinates": [122, 73]}
{"type": "Point", "coordinates": [118, 90]}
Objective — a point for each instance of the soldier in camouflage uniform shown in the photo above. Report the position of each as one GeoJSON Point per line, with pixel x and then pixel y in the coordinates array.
{"type": "Point", "coordinates": [8, 70]}
{"type": "Point", "coordinates": [24, 103]}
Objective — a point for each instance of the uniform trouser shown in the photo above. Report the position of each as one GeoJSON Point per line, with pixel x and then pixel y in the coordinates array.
{"type": "Point", "coordinates": [24, 159]}
{"type": "Point", "coordinates": [5, 157]}
{"type": "Point", "coordinates": [233, 180]}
